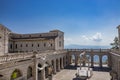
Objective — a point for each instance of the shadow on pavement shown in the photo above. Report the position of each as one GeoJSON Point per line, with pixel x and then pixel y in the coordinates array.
{"type": "Point", "coordinates": [78, 79]}
{"type": "Point", "coordinates": [103, 69]}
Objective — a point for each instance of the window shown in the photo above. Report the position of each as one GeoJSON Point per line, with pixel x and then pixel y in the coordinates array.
{"type": "Point", "coordinates": [51, 45]}
{"type": "Point", "coordinates": [16, 46]}
{"type": "Point", "coordinates": [10, 46]}
{"type": "Point", "coordinates": [38, 45]}
{"type": "Point", "coordinates": [26, 45]}
{"type": "Point", "coordinates": [29, 36]}
{"type": "Point", "coordinates": [44, 44]}
{"type": "Point", "coordinates": [32, 45]}
{"type": "Point", "coordinates": [59, 43]}
{"type": "Point", "coordinates": [21, 45]}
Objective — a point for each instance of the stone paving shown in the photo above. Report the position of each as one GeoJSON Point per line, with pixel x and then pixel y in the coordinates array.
{"type": "Point", "coordinates": [69, 74]}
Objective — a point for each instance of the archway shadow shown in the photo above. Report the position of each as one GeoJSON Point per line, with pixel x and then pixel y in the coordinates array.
{"type": "Point", "coordinates": [78, 79]}
{"type": "Point", "coordinates": [103, 69]}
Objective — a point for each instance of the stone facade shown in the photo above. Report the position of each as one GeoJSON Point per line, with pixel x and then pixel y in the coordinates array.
{"type": "Point", "coordinates": [12, 42]}
{"type": "Point", "coordinates": [4, 39]}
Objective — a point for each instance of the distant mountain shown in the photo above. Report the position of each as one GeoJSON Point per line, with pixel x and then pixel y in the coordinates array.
{"type": "Point", "coordinates": [74, 46]}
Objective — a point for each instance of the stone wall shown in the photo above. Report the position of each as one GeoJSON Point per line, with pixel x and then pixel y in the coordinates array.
{"type": "Point", "coordinates": [4, 39]}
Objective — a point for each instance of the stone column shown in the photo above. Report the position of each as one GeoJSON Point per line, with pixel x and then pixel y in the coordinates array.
{"type": "Point", "coordinates": [92, 59]}
{"type": "Point", "coordinates": [58, 65]}
{"type": "Point", "coordinates": [109, 61]}
{"type": "Point", "coordinates": [62, 63]}
{"type": "Point", "coordinates": [35, 68]}
{"type": "Point", "coordinates": [54, 67]}
{"type": "Point", "coordinates": [100, 57]}
{"type": "Point", "coordinates": [76, 60]}
{"type": "Point", "coordinates": [43, 74]}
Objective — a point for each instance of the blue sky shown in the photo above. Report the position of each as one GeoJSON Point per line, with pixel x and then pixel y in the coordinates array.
{"type": "Point", "coordinates": [85, 22]}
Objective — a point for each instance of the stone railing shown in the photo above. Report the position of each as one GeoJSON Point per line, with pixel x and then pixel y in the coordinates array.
{"type": "Point", "coordinates": [89, 50]}
{"type": "Point", "coordinates": [15, 56]}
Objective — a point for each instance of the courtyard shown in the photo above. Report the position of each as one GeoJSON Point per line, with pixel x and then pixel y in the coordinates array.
{"type": "Point", "coordinates": [69, 74]}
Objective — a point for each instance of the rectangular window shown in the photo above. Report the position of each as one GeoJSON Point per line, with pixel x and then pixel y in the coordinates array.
{"type": "Point", "coordinates": [21, 45]}
{"type": "Point", "coordinates": [10, 46]}
{"type": "Point", "coordinates": [60, 44]}
{"type": "Point", "coordinates": [16, 46]}
{"type": "Point", "coordinates": [44, 44]}
{"type": "Point", "coordinates": [32, 45]}
{"type": "Point", "coordinates": [51, 45]}
{"type": "Point", "coordinates": [26, 45]}
{"type": "Point", "coordinates": [38, 45]}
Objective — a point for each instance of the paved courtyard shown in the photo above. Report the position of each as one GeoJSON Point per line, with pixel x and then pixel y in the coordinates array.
{"type": "Point", "coordinates": [69, 74]}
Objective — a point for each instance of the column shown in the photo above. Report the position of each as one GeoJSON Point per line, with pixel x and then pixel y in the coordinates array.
{"type": "Point", "coordinates": [43, 74]}
{"type": "Point", "coordinates": [76, 60]}
{"type": "Point", "coordinates": [62, 63]}
{"type": "Point", "coordinates": [92, 60]}
{"type": "Point", "coordinates": [100, 57]}
{"type": "Point", "coordinates": [54, 67]}
{"type": "Point", "coordinates": [35, 69]}
{"type": "Point", "coordinates": [58, 65]}
{"type": "Point", "coordinates": [109, 61]}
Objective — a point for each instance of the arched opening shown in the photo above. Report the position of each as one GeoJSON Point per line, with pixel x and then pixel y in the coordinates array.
{"type": "Point", "coordinates": [96, 61]}
{"type": "Point", "coordinates": [29, 72]}
{"type": "Point", "coordinates": [16, 74]}
{"type": "Point", "coordinates": [46, 70]}
{"type": "Point", "coordinates": [88, 61]}
{"type": "Point", "coordinates": [60, 63]}
{"type": "Point", "coordinates": [66, 60]}
{"type": "Point", "coordinates": [39, 72]}
{"type": "Point", "coordinates": [63, 62]}
{"type": "Point", "coordinates": [1, 77]}
{"type": "Point", "coordinates": [53, 67]}
{"type": "Point", "coordinates": [105, 61]}
{"type": "Point", "coordinates": [57, 65]}
{"type": "Point", "coordinates": [72, 59]}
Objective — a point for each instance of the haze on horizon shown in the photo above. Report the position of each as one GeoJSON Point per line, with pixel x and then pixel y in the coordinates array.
{"type": "Point", "coordinates": [85, 22]}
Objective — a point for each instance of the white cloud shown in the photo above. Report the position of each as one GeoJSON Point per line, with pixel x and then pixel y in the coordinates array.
{"type": "Point", "coordinates": [97, 37]}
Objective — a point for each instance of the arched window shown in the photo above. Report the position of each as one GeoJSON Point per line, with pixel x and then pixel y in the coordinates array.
{"type": "Point", "coordinates": [16, 74]}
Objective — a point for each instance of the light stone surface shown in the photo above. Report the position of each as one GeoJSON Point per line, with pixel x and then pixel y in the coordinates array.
{"type": "Point", "coordinates": [67, 74]}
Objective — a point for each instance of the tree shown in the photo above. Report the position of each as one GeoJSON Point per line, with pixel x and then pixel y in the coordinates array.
{"type": "Point", "coordinates": [115, 44]}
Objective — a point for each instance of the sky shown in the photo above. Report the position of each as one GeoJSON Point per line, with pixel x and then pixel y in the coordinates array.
{"type": "Point", "coordinates": [84, 22]}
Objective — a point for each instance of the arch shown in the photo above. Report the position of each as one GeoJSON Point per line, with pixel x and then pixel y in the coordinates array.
{"type": "Point", "coordinates": [39, 72]}
{"type": "Point", "coordinates": [53, 67]}
{"type": "Point", "coordinates": [46, 69]}
{"type": "Point", "coordinates": [88, 63]}
{"type": "Point", "coordinates": [96, 61]}
{"type": "Point", "coordinates": [57, 64]}
{"type": "Point", "coordinates": [105, 61]}
{"type": "Point", "coordinates": [72, 59]}
{"type": "Point", "coordinates": [60, 63]}
{"type": "Point", "coordinates": [16, 74]}
{"type": "Point", "coordinates": [29, 72]}
{"type": "Point", "coordinates": [64, 62]}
